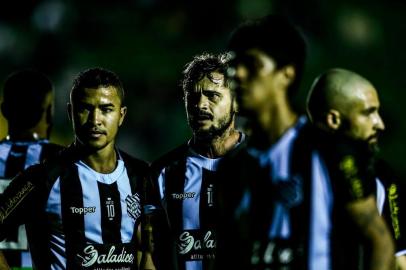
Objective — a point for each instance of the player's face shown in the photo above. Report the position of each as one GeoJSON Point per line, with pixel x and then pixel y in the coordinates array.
{"type": "Point", "coordinates": [363, 120]}
{"type": "Point", "coordinates": [255, 80]}
{"type": "Point", "coordinates": [96, 115]}
{"type": "Point", "coordinates": [209, 106]}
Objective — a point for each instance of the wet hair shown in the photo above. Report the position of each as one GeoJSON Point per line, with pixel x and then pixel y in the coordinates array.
{"type": "Point", "coordinates": [95, 78]}
{"type": "Point", "coordinates": [201, 66]}
{"type": "Point", "coordinates": [24, 94]}
{"type": "Point", "coordinates": [277, 37]}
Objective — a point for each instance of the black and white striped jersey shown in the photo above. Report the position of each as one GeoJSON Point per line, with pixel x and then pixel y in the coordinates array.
{"type": "Point", "coordinates": [187, 182]}
{"type": "Point", "coordinates": [78, 218]}
{"type": "Point", "coordinates": [389, 194]}
{"type": "Point", "coordinates": [16, 156]}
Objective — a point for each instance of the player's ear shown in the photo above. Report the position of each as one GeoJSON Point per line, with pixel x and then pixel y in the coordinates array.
{"type": "Point", "coordinates": [123, 112]}
{"type": "Point", "coordinates": [333, 119]}
{"type": "Point", "coordinates": [289, 74]}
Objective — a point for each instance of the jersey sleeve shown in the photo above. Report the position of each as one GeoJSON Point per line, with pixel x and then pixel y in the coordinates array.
{"type": "Point", "coordinates": [17, 200]}
{"type": "Point", "coordinates": [393, 211]}
{"type": "Point", "coordinates": [352, 171]}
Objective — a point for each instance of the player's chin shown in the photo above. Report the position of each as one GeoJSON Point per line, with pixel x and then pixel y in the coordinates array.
{"type": "Point", "coordinates": [373, 145]}
{"type": "Point", "coordinates": [95, 144]}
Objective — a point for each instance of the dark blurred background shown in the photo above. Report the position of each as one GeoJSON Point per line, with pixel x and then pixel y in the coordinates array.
{"type": "Point", "coordinates": [148, 42]}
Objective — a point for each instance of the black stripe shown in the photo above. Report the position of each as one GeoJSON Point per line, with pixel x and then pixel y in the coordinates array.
{"type": "Point", "coordinates": [49, 151]}
{"type": "Point", "coordinates": [15, 163]}
{"type": "Point", "coordinates": [206, 203]}
{"type": "Point", "coordinates": [16, 160]}
{"type": "Point", "coordinates": [206, 206]}
{"type": "Point", "coordinates": [174, 183]}
{"type": "Point", "coordinates": [73, 223]}
{"type": "Point", "coordinates": [110, 212]}
{"type": "Point", "coordinates": [300, 167]}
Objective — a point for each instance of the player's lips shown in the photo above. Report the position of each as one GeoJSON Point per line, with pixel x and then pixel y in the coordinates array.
{"type": "Point", "coordinates": [95, 133]}
{"type": "Point", "coordinates": [201, 117]}
{"type": "Point", "coordinates": [373, 138]}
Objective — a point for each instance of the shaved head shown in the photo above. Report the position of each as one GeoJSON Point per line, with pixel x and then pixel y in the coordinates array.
{"type": "Point", "coordinates": [336, 89]}
{"type": "Point", "coordinates": [344, 102]}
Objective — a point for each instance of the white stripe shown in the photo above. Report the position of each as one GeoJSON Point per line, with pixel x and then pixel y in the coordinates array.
{"type": "Point", "coordinates": [91, 198]}
{"type": "Point", "coordinates": [320, 215]}
{"type": "Point", "coordinates": [380, 195]}
{"type": "Point", "coordinates": [57, 239]}
{"type": "Point", "coordinates": [4, 152]}
{"type": "Point", "coordinates": [127, 223]}
{"type": "Point", "coordinates": [33, 155]}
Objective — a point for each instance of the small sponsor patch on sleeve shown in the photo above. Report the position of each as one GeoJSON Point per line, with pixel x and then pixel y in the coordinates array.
{"type": "Point", "coordinates": [350, 172]}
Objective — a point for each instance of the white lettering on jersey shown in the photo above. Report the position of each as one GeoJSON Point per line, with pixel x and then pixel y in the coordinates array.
{"type": "Point", "coordinates": [183, 196]}
{"type": "Point", "coordinates": [83, 210]}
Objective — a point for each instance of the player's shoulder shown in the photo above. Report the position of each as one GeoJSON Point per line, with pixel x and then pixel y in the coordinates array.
{"type": "Point", "coordinates": [133, 162]}
{"type": "Point", "coordinates": [50, 151]}
{"type": "Point", "coordinates": [170, 158]}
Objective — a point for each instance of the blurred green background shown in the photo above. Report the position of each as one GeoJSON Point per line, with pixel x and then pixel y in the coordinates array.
{"type": "Point", "coordinates": [148, 42]}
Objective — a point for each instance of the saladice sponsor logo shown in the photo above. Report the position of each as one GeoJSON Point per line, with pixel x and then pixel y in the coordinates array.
{"type": "Point", "coordinates": [119, 256]}
{"type": "Point", "coordinates": [196, 245]}
{"type": "Point", "coordinates": [272, 253]}
{"type": "Point", "coordinates": [15, 200]}
{"type": "Point", "coordinates": [394, 208]}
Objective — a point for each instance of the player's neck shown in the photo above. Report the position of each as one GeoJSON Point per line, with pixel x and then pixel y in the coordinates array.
{"type": "Point", "coordinates": [102, 160]}
{"type": "Point", "coordinates": [217, 146]}
{"type": "Point", "coordinates": [272, 123]}
{"type": "Point", "coordinates": [26, 135]}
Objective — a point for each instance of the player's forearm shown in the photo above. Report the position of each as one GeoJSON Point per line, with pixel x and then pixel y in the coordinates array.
{"type": "Point", "coordinates": [374, 229]}
{"type": "Point", "coordinates": [3, 262]}
{"type": "Point", "coordinates": [15, 198]}
{"type": "Point", "coordinates": [146, 262]}
{"type": "Point", "coordinates": [401, 262]}
{"type": "Point", "coordinates": [383, 254]}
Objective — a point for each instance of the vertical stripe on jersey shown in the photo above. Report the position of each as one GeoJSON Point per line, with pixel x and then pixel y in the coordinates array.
{"type": "Point", "coordinates": [206, 203]}
{"type": "Point", "coordinates": [33, 155]}
{"type": "Point", "coordinates": [110, 212]}
{"type": "Point", "coordinates": [73, 223]}
{"type": "Point", "coordinates": [16, 160]}
{"type": "Point", "coordinates": [175, 182]}
{"type": "Point", "coordinates": [4, 152]}
{"type": "Point", "coordinates": [125, 187]}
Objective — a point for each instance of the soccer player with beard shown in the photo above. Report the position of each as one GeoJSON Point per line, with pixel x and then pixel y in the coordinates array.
{"type": "Point", "coordinates": [83, 209]}
{"type": "Point", "coordinates": [346, 105]}
{"type": "Point", "coordinates": [185, 177]}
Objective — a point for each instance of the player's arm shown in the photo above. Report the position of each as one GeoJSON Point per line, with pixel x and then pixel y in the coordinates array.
{"type": "Point", "coordinates": [365, 215]}
{"type": "Point", "coordinates": [3, 262]}
{"type": "Point", "coordinates": [144, 235]}
{"type": "Point", "coordinates": [17, 200]}
{"type": "Point", "coordinates": [401, 262]}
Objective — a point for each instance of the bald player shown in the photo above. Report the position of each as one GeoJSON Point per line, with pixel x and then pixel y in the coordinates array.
{"type": "Point", "coordinates": [346, 105]}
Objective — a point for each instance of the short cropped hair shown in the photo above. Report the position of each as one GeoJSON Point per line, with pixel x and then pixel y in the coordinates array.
{"type": "Point", "coordinates": [24, 94]}
{"type": "Point", "coordinates": [95, 78]}
{"type": "Point", "coordinates": [202, 65]}
{"type": "Point", "coordinates": [276, 36]}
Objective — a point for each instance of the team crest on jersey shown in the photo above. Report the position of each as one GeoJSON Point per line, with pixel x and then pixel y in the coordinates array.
{"type": "Point", "coordinates": [134, 206]}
